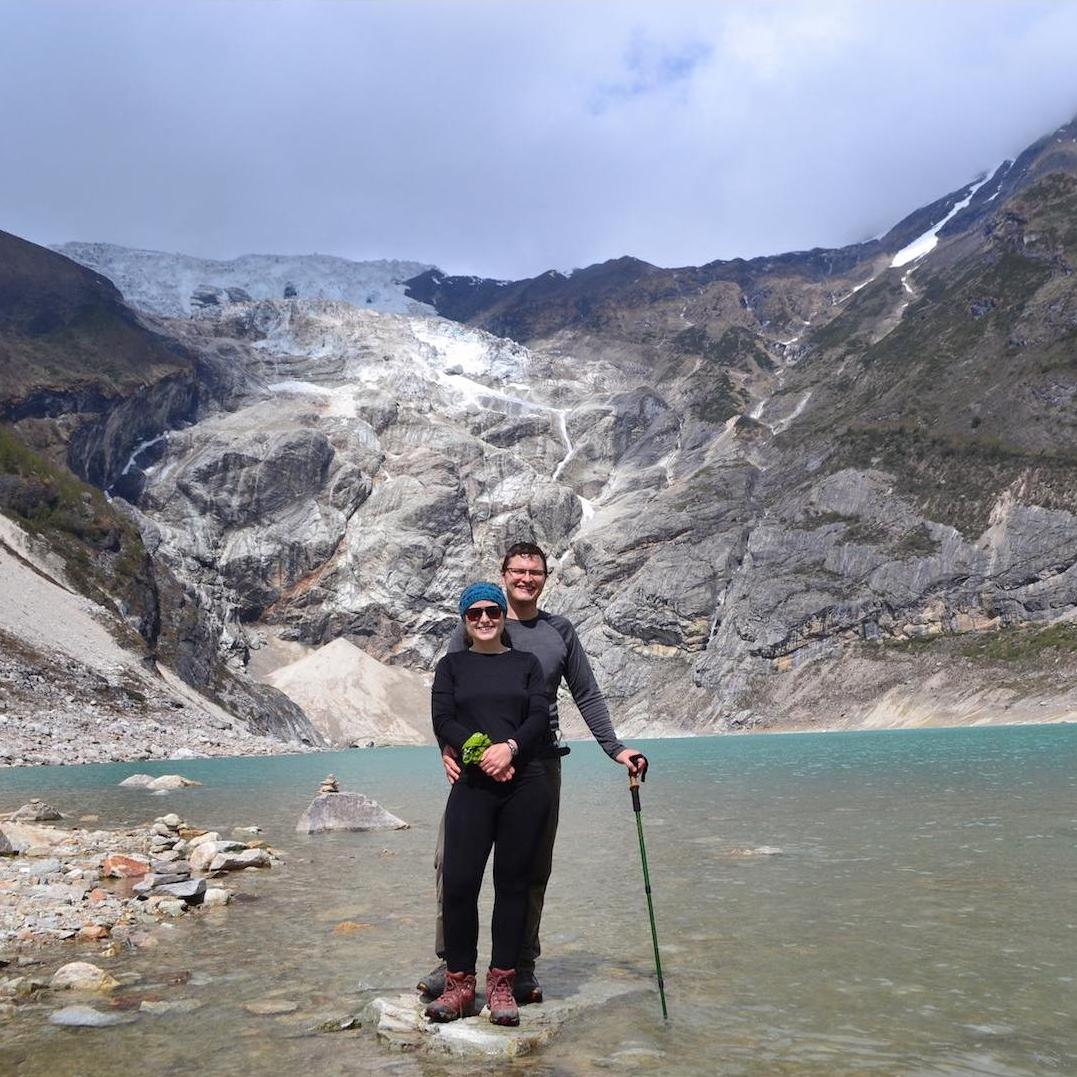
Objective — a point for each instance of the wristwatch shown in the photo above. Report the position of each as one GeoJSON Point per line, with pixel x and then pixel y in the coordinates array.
{"type": "Point", "coordinates": [513, 747]}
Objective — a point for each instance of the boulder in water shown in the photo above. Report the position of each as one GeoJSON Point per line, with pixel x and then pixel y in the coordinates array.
{"type": "Point", "coordinates": [169, 782]}
{"type": "Point", "coordinates": [37, 811]}
{"type": "Point", "coordinates": [137, 781]}
{"type": "Point", "coordinates": [400, 1023]}
{"type": "Point", "coordinates": [346, 811]}
{"type": "Point", "coordinates": [82, 976]}
{"type": "Point", "coordinates": [237, 861]}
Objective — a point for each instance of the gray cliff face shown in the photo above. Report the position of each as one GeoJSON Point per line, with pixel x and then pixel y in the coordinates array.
{"type": "Point", "coordinates": [356, 491]}
{"type": "Point", "coordinates": [750, 477]}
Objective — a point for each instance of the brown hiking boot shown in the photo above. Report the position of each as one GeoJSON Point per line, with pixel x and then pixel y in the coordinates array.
{"type": "Point", "coordinates": [503, 1010]}
{"type": "Point", "coordinates": [433, 983]}
{"type": "Point", "coordinates": [526, 988]}
{"type": "Point", "coordinates": [457, 1000]}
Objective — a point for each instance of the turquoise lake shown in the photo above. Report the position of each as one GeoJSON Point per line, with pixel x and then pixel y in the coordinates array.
{"type": "Point", "coordinates": [916, 913]}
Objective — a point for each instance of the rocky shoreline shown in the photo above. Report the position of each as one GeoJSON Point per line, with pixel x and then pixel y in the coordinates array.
{"type": "Point", "coordinates": [108, 887]}
{"type": "Point", "coordinates": [94, 716]}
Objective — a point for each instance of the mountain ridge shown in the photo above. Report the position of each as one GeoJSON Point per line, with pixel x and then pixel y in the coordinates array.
{"type": "Point", "coordinates": [751, 476]}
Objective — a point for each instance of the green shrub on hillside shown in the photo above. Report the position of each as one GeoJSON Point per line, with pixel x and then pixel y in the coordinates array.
{"type": "Point", "coordinates": [1022, 644]}
{"type": "Point", "coordinates": [102, 550]}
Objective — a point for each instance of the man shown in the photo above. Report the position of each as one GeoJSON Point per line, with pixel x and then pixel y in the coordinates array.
{"type": "Point", "coordinates": [552, 640]}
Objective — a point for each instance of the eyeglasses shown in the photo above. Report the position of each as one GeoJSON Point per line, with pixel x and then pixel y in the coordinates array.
{"type": "Point", "coordinates": [521, 573]}
{"type": "Point", "coordinates": [477, 613]}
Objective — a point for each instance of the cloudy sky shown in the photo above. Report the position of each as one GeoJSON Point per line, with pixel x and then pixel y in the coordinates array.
{"type": "Point", "coordinates": [504, 138]}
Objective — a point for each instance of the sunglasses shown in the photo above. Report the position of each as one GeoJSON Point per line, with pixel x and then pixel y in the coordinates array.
{"type": "Point", "coordinates": [476, 613]}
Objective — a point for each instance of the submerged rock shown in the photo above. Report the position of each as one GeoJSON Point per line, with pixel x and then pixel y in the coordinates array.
{"type": "Point", "coordinates": [346, 811]}
{"type": "Point", "coordinates": [165, 1006]}
{"type": "Point", "coordinates": [137, 781]}
{"type": "Point", "coordinates": [744, 853]}
{"type": "Point", "coordinates": [271, 1007]}
{"type": "Point", "coordinates": [88, 1017]}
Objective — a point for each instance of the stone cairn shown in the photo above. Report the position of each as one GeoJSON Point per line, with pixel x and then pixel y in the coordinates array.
{"type": "Point", "coordinates": [177, 850]}
{"type": "Point", "coordinates": [332, 809]}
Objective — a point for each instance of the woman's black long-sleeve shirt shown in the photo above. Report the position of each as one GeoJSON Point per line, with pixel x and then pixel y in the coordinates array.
{"type": "Point", "coordinates": [501, 695]}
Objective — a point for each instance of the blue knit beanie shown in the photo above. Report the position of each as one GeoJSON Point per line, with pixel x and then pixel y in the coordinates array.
{"type": "Point", "coordinates": [477, 592]}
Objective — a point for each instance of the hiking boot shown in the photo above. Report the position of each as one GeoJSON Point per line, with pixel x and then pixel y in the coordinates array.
{"type": "Point", "coordinates": [457, 1000]}
{"type": "Point", "coordinates": [433, 983]}
{"type": "Point", "coordinates": [499, 998]}
{"type": "Point", "coordinates": [526, 988]}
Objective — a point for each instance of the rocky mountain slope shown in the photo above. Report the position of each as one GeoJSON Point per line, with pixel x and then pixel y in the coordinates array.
{"type": "Point", "coordinates": [84, 382]}
{"type": "Point", "coordinates": [825, 489]}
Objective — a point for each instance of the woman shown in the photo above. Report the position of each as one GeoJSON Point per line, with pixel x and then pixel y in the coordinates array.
{"type": "Point", "coordinates": [501, 801]}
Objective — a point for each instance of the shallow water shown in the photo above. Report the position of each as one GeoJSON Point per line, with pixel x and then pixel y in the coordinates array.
{"type": "Point", "coordinates": [921, 917]}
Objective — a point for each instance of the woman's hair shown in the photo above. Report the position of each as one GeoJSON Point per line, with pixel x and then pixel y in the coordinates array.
{"type": "Point", "coordinates": [523, 549]}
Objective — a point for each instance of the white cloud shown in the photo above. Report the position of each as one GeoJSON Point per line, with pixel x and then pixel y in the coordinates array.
{"type": "Point", "coordinates": [506, 139]}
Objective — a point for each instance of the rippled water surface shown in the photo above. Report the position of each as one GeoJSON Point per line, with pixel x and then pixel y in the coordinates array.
{"type": "Point", "coordinates": [920, 917]}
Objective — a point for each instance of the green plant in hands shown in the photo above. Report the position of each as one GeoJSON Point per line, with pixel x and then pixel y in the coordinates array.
{"type": "Point", "coordinates": [474, 746]}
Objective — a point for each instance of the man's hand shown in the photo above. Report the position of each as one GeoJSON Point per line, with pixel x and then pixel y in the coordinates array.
{"type": "Point", "coordinates": [451, 762]}
{"type": "Point", "coordinates": [496, 762]}
{"type": "Point", "coordinates": [625, 757]}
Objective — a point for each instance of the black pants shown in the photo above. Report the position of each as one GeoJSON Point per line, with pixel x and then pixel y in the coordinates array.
{"type": "Point", "coordinates": [510, 818]}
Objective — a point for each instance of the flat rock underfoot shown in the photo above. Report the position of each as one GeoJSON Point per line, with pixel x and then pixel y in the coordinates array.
{"type": "Point", "coordinates": [400, 1024]}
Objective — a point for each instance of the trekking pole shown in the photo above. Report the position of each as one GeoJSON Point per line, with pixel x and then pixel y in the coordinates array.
{"type": "Point", "coordinates": [633, 786]}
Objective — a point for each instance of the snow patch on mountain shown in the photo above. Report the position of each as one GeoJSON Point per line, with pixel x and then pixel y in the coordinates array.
{"type": "Point", "coordinates": [179, 285]}
{"type": "Point", "coordinates": [927, 242]}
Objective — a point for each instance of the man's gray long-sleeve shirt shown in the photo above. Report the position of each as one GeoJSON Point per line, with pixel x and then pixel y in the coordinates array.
{"type": "Point", "coordinates": [553, 641]}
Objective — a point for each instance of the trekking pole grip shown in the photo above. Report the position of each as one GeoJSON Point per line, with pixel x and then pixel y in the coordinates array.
{"type": "Point", "coordinates": [635, 777]}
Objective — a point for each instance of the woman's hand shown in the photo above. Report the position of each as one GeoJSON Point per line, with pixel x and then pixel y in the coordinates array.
{"type": "Point", "coordinates": [496, 762]}
{"type": "Point", "coordinates": [451, 762]}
